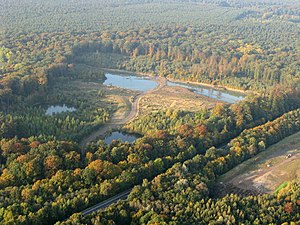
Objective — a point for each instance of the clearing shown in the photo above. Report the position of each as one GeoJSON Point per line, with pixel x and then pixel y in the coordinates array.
{"type": "Point", "coordinates": [126, 112]}
{"type": "Point", "coordinates": [172, 97]}
{"type": "Point", "coordinates": [132, 105]}
{"type": "Point", "coordinates": [266, 171]}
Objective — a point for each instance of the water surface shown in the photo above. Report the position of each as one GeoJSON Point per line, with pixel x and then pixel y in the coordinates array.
{"type": "Point", "coordinates": [132, 82]}
{"type": "Point", "coordinates": [138, 83]}
{"type": "Point", "coordinates": [58, 109]}
{"type": "Point", "coordinates": [118, 135]}
{"type": "Point", "coordinates": [222, 95]}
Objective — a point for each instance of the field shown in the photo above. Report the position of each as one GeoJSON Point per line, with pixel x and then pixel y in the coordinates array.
{"type": "Point", "coordinates": [265, 172]}
{"type": "Point", "coordinates": [165, 97]}
{"type": "Point", "coordinates": [91, 98]}
{"type": "Point", "coordinates": [130, 105]}
{"type": "Point", "coordinates": [173, 98]}
{"type": "Point", "coordinates": [98, 95]}
{"type": "Point", "coordinates": [162, 98]}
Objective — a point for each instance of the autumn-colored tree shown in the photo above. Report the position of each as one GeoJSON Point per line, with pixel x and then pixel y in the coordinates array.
{"type": "Point", "coordinates": [52, 164]}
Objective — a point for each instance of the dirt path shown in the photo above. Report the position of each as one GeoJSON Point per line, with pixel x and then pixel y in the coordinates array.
{"type": "Point", "coordinates": [116, 123]}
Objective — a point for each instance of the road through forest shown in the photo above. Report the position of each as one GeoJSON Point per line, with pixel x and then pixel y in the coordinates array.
{"type": "Point", "coordinates": [115, 124]}
{"type": "Point", "coordinates": [106, 203]}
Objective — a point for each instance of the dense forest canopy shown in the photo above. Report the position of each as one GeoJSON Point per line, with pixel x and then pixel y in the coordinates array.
{"type": "Point", "coordinates": [62, 15]}
{"type": "Point", "coordinates": [51, 53]}
{"type": "Point", "coordinates": [247, 46]}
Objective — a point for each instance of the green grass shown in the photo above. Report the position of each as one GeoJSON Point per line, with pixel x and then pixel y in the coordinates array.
{"type": "Point", "coordinates": [281, 186]}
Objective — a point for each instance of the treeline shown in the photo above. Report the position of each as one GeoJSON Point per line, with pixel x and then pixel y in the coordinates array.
{"type": "Point", "coordinates": [189, 54]}
{"type": "Point", "coordinates": [231, 209]}
{"type": "Point", "coordinates": [28, 117]}
{"type": "Point", "coordinates": [222, 122]}
{"type": "Point", "coordinates": [248, 57]}
{"type": "Point", "coordinates": [32, 62]}
{"type": "Point", "coordinates": [181, 195]}
{"type": "Point", "coordinates": [55, 189]}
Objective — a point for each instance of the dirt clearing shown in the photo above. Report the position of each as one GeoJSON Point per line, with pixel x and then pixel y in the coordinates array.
{"type": "Point", "coordinates": [265, 172]}
{"type": "Point", "coordinates": [171, 97]}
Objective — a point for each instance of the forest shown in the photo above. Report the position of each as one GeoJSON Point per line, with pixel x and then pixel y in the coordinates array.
{"type": "Point", "coordinates": [51, 53]}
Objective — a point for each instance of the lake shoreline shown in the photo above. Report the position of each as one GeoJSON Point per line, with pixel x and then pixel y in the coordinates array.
{"type": "Point", "coordinates": [217, 87]}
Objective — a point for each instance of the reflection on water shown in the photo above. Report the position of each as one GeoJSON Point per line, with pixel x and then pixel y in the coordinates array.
{"type": "Point", "coordinates": [59, 109]}
{"type": "Point", "coordinates": [118, 135]}
{"type": "Point", "coordinates": [222, 95]}
{"type": "Point", "coordinates": [138, 83]}
{"type": "Point", "coordinates": [132, 82]}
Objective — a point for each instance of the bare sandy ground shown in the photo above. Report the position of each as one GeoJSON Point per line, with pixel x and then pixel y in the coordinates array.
{"type": "Point", "coordinates": [265, 172]}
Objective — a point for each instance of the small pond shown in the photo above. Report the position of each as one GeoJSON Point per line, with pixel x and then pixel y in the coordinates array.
{"type": "Point", "coordinates": [118, 135]}
{"type": "Point", "coordinates": [132, 82]}
{"type": "Point", "coordinates": [58, 109]}
{"type": "Point", "coordinates": [222, 95]}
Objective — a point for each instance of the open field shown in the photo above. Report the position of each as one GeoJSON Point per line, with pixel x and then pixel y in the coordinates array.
{"type": "Point", "coordinates": [124, 105]}
{"type": "Point", "coordinates": [125, 113]}
{"type": "Point", "coordinates": [171, 97]}
{"type": "Point", "coordinates": [94, 101]}
{"type": "Point", "coordinates": [265, 172]}
{"type": "Point", "coordinates": [131, 105]}
{"type": "Point", "coordinates": [99, 95]}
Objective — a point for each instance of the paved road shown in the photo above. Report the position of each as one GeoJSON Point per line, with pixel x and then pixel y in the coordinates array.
{"type": "Point", "coordinates": [106, 203]}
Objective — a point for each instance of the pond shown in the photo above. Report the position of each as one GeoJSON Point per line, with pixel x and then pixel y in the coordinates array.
{"type": "Point", "coordinates": [222, 95]}
{"type": "Point", "coordinates": [138, 83]}
{"type": "Point", "coordinates": [132, 82]}
{"type": "Point", "coordinates": [118, 135]}
{"type": "Point", "coordinates": [59, 109]}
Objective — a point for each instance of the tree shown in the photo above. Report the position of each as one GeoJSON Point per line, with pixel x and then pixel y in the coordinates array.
{"type": "Point", "coordinates": [52, 164]}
